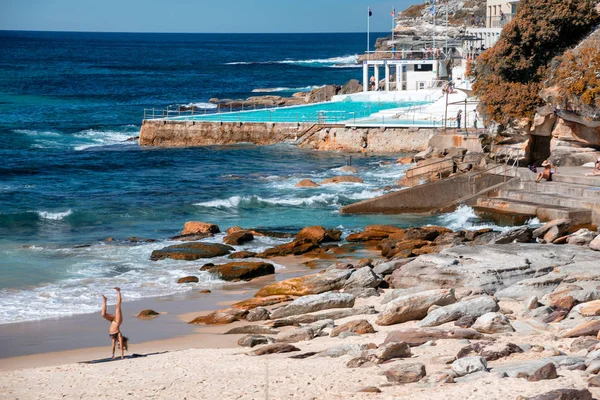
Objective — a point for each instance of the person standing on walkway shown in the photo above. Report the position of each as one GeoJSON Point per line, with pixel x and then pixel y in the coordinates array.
{"type": "Point", "coordinates": [475, 119]}
{"type": "Point", "coordinates": [458, 119]}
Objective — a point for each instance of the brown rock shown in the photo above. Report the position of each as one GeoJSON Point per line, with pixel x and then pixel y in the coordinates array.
{"type": "Point", "coordinates": [252, 330]}
{"type": "Point", "coordinates": [589, 328]}
{"type": "Point", "coordinates": [308, 284]}
{"type": "Point", "coordinates": [563, 394]}
{"type": "Point", "coordinates": [254, 302]}
{"type": "Point", "coordinates": [417, 337]}
{"type": "Point", "coordinates": [191, 251]}
{"type": "Point", "coordinates": [307, 183]}
{"type": "Point", "coordinates": [237, 238]}
{"type": "Point", "coordinates": [147, 314]}
{"type": "Point", "coordinates": [188, 279]}
{"type": "Point", "coordinates": [374, 233]}
{"type": "Point", "coordinates": [404, 160]}
{"type": "Point", "coordinates": [274, 348]}
{"type": "Point", "coordinates": [466, 321]}
{"type": "Point", "coordinates": [564, 303]}
{"type": "Point", "coordinates": [582, 343]}
{"type": "Point", "coordinates": [360, 327]}
{"type": "Point", "coordinates": [391, 247]}
{"type": "Point", "coordinates": [297, 247]}
{"type": "Point", "coordinates": [205, 291]}
{"type": "Point", "coordinates": [370, 389]}
{"type": "Point", "coordinates": [406, 373]}
{"type": "Point", "coordinates": [318, 234]}
{"type": "Point", "coordinates": [555, 316]}
{"type": "Point", "coordinates": [489, 350]}
{"type": "Point", "coordinates": [342, 179]}
{"type": "Point", "coordinates": [548, 371]}
{"type": "Point", "coordinates": [194, 227]}
{"type": "Point", "coordinates": [357, 362]}
{"type": "Point", "coordinates": [590, 309]}
{"type": "Point", "coordinates": [242, 254]}
{"type": "Point", "coordinates": [220, 317]}
{"type": "Point", "coordinates": [594, 381]}
{"type": "Point", "coordinates": [242, 270]}
{"type": "Point", "coordinates": [471, 235]}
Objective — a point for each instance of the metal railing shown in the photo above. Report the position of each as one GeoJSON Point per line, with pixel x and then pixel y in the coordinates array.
{"type": "Point", "coordinates": [499, 21]}
{"type": "Point", "coordinates": [406, 55]}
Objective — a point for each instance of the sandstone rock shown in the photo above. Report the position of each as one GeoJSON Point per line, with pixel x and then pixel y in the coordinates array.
{"type": "Point", "coordinates": [387, 268]}
{"type": "Point", "coordinates": [489, 350]}
{"type": "Point", "coordinates": [350, 87]}
{"type": "Point", "coordinates": [194, 227]}
{"type": "Point", "coordinates": [406, 373]}
{"type": "Point", "coordinates": [251, 330]}
{"type": "Point", "coordinates": [360, 327]}
{"type": "Point", "coordinates": [493, 322]}
{"type": "Point", "coordinates": [404, 160]}
{"type": "Point", "coordinates": [589, 309]}
{"type": "Point", "coordinates": [296, 335]}
{"type": "Point", "coordinates": [374, 233]}
{"type": "Point", "coordinates": [354, 350]}
{"type": "Point", "coordinates": [258, 314]}
{"type": "Point", "coordinates": [563, 225]}
{"type": "Point", "coordinates": [589, 328]}
{"type": "Point", "coordinates": [275, 348]}
{"type": "Point", "coordinates": [466, 321]}
{"type": "Point", "coordinates": [147, 314]}
{"type": "Point", "coordinates": [297, 247]}
{"type": "Point", "coordinates": [314, 303]}
{"type": "Point", "coordinates": [363, 278]}
{"type": "Point", "coordinates": [242, 254]}
{"type": "Point", "coordinates": [582, 343]}
{"type": "Point", "coordinates": [191, 251]}
{"type": "Point", "coordinates": [323, 315]}
{"type": "Point", "coordinates": [255, 302]}
{"type": "Point", "coordinates": [205, 291]}
{"type": "Point", "coordinates": [404, 248]}
{"type": "Point", "coordinates": [390, 350]}
{"type": "Point", "coordinates": [221, 317]}
{"type": "Point", "coordinates": [564, 394]}
{"type": "Point", "coordinates": [414, 306]}
{"type": "Point", "coordinates": [342, 179]}
{"type": "Point", "coordinates": [582, 237]}
{"type": "Point", "coordinates": [526, 368]}
{"type": "Point", "coordinates": [370, 389]}
{"type": "Point", "coordinates": [594, 381]}
{"type": "Point", "coordinates": [475, 307]}
{"type": "Point", "coordinates": [595, 244]}
{"type": "Point", "coordinates": [517, 235]}
{"type": "Point", "coordinates": [242, 270]}
{"type": "Point", "coordinates": [307, 183]}
{"type": "Point", "coordinates": [548, 371]}
{"type": "Point", "coordinates": [237, 238]}
{"type": "Point", "coordinates": [468, 365]}
{"type": "Point", "coordinates": [253, 340]}
{"type": "Point", "coordinates": [417, 337]}
{"type": "Point", "coordinates": [188, 279]}
{"type": "Point", "coordinates": [308, 284]}
{"type": "Point", "coordinates": [359, 292]}
{"type": "Point", "coordinates": [396, 293]}
{"type": "Point", "coordinates": [318, 234]}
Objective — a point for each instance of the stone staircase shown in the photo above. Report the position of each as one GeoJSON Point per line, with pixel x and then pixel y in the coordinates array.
{"type": "Point", "coordinates": [571, 195]}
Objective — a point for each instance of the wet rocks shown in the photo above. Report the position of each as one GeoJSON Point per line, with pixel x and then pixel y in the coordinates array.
{"type": "Point", "coordinates": [493, 322]}
{"type": "Point", "coordinates": [220, 317]}
{"type": "Point", "coordinates": [238, 238]}
{"type": "Point", "coordinates": [469, 365]}
{"type": "Point", "coordinates": [374, 233]}
{"type": "Point", "coordinates": [359, 327]}
{"type": "Point", "coordinates": [314, 303]}
{"type": "Point", "coordinates": [414, 306]}
{"type": "Point", "coordinates": [417, 337]}
{"type": "Point", "coordinates": [195, 227]}
{"type": "Point", "coordinates": [242, 254]}
{"type": "Point", "coordinates": [307, 183]}
{"type": "Point", "coordinates": [241, 270]}
{"type": "Point", "coordinates": [318, 234]}
{"type": "Point", "coordinates": [341, 179]}
{"type": "Point", "coordinates": [297, 247]}
{"type": "Point", "coordinates": [255, 302]}
{"type": "Point", "coordinates": [474, 307]}
{"type": "Point", "coordinates": [274, 348]}
{"type": "Point", "coordinates": [191, 251]}
{"type": "Point", "coordinates": [148, 314]}
{"type": "Point", "coordinates": [308, 284]}
{"type": "Point", "coordinates": [517, 235]}
{"type": "Point", "coordinates": [406, 373]}
{"type": "Point", "coordinates": [188, 279]}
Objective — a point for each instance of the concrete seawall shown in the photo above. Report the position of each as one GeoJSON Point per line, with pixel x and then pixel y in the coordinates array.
{"type": "Point", "coordinates": [161, 133]}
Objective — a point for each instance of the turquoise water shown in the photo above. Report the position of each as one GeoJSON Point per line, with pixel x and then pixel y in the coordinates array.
{"type": "Point", "coordinates": [329, 112]}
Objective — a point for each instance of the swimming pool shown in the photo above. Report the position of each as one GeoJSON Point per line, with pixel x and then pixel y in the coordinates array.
{"type": "Point", "coordinates": [329, 112]}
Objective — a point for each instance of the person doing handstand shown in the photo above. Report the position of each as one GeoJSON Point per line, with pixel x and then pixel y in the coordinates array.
{"type": "Point", "coordinates": [114, 331]}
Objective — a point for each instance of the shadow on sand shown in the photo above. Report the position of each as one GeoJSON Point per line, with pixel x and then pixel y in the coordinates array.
{"type": "Point", "coordinates": [134, 355]}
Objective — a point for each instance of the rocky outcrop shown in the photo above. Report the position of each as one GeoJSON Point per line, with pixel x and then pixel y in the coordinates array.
{"type": "Point", "coordinates": [307, 183]}
{"type": "Point", "coordinates": [195, 227]}
{"type": "Point", "coordinates": [297, 247]}
{"type": "Point", "coordinates": [414, 306]}
{"type": "Point", "coordinates": [314, 303]}
{"type": "Point", "coordinates": [241, 270]}
{"type": "Point", "coordinates": [318, 234]}
{"type": "Point", "coordinates": [474, 307]}
{"type": "Point", "coordinates": [308, 284]}
{"type": "Point", "coordinates": [191, 251]}
{"type": "Point", "coordinates": [237, 238]}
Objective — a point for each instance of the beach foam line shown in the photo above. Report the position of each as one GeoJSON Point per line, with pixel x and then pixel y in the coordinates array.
{"type": "Point", "coordinates": [56, 216]}
{"type": "Point", "coordinates": [257, 201]}
{"type": "Point", "coordinates": [333, 62]}
{"type": "Point", "coordinates": [207, 106]}
{"type": "Point", "coordinates": [286, 89]}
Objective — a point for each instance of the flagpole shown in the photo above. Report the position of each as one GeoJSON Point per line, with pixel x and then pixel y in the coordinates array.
{"type": "Point", "coordinates": [393, 26]}
{"type": "Point", "coordinates": [368, 33]}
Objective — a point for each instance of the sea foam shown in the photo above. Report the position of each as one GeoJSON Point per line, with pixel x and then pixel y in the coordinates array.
{"type": "Point", "coordinates": [56, 216]}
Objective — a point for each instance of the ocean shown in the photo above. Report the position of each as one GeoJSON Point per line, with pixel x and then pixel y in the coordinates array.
{"type": "Point", "coordinates": [69, 179]}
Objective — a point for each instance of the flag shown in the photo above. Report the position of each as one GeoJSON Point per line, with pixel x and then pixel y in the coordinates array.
{"type": "Point", "coordinates": [370, 13]}
{"type": "Point", "coordinates": [394, 12]}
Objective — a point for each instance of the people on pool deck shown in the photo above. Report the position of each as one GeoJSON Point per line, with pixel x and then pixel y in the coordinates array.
{"type": "Point", "coordinates": [114, 331]}
{"type": "Point", "coordinates": [458, 118]}
{"type": "Point", "coordinates": [547, 172]}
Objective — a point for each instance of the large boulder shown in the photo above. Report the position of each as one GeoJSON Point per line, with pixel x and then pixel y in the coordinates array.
{"type": "Point", "coordinates": [238, 238]}
{"type": "Point", "coordinates": [406, 373]}
{"type": "Point", "coordinates": [492, 322]}
{"type": "Point", "coordinates": [474, 307]}
{"type": "Point", "coordinates": [417, 336]}
{"type": "Point", "coordinates": [307, 183]}
{"type": "Point", "coordinates": [595, 244]}
{"type": "Point", "coordinates": [241, 270]}
{"type": "Point", "coordinates": [297, 247]}
{"type": "Point", "coordinates": [188, 279]}
{"type": "Point", "coordinates": [255, 302]}
{"type": "Point", "coordinates": [308, 284]}
{"type": "Point", "coordinates": [374, 233]}
{"type": "Point", "coordinates": [363, 278]}
{"type": "Point", "coordinates": [221, 317]}
{"type": "Point", "coordinates": [360, 327]}
{"type": "Point", "coordinates": [195, 227]}
{"type": "Point", "coordinates": [318, 234]}
{"type": "Point", "coordinates": [324, 315]}
{"type": "Point", "coordinates": [312, 303]}
{"type": "Point", "coordinates": [468, 365]}
{"type": "Point", "coordinates": [324, 93]}
{"type": "Point", "coordinates": [414, 306]}
{"type": "Point", "coordinates": [191, 251]}
{"type": "Point", "coordinates": [350, 87]}
{"type": "Point", "coordinates": [521, 234]}
{"type": "Point", "coordinates": [274, 348]}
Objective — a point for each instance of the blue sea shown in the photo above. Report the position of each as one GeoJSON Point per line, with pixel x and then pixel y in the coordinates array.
{"type": "Point", "coordinates": [69, 179]}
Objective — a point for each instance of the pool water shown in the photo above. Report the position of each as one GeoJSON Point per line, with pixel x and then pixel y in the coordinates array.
{"type": "Point", "coordinates": [328, 112]}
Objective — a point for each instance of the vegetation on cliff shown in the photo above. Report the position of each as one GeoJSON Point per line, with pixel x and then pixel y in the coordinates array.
{"type": "Point", "coordinates": [510, 75]}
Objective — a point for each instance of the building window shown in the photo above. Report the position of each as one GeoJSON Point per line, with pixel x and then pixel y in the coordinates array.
{"type": "Point", "coordinates": [424, 67]}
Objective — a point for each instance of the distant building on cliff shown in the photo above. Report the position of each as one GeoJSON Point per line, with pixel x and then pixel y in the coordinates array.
{"type": "Point", "coordinates": [498, 14]}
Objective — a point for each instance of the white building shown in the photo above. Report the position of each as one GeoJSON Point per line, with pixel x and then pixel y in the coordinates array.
{"type": "Point", "coordinates": [498, 14]}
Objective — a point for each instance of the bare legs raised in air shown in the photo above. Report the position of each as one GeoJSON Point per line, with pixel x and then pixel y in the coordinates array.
{"type": "Point", "coordinates": [114, 331]}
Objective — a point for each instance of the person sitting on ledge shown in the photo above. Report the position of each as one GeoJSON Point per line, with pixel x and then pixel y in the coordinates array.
{"type": "Point", "coordinates": [547, 172]}
{"type": "Point", "coordinates": [596, 170]}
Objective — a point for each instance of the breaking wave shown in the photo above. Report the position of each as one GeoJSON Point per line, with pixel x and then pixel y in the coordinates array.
{"type": "Point", "coordinates": [333, 62]}
{"type": "Point", "coordinates": [57, 216]}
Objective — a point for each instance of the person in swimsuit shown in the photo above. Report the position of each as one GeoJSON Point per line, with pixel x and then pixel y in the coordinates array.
{"type": "Point", "coordinates": [115, 325]}
{"type": "Point", "coordinates": [547, 173]}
